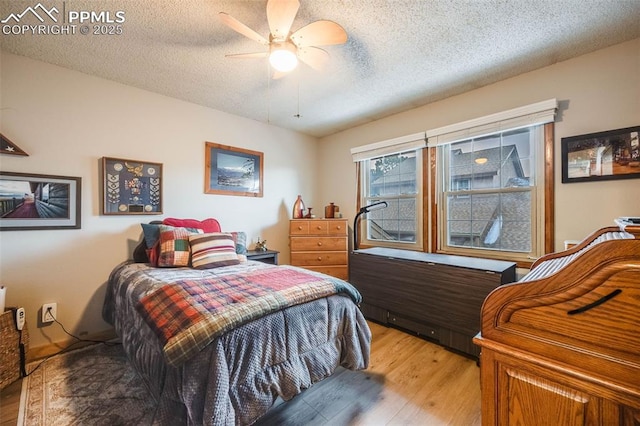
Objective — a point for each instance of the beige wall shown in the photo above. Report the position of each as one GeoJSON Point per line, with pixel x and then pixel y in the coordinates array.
{"type": "Point", "coordinates": [66, 121]}
{"type": "Point", "coordinates": [597, 92]}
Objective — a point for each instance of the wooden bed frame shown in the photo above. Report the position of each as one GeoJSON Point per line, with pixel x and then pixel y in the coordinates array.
{"type": "Point", "coordinates": [565, 348]}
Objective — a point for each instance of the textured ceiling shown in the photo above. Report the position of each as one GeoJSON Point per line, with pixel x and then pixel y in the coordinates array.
{"type": "Point", "coordinates": [400, 53]}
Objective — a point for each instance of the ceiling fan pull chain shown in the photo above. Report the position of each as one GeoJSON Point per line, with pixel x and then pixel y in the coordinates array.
{"type": "Point", "coordinates": [268, 94]}
{"type": "Point", "coordinates": [298, 114]}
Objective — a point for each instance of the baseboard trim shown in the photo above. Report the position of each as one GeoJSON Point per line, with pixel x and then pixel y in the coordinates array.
{"type": "Point", "coordinates": [49, 349]}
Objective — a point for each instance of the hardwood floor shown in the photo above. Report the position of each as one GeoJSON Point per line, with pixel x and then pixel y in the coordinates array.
{"type": "Point", "coordinates": [409, 382]}
{"type": "Point", "coordinates": [10, 403]}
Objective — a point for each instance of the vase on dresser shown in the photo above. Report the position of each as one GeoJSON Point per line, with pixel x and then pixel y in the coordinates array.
{"type": "Point", "coordinates": [298, 208]}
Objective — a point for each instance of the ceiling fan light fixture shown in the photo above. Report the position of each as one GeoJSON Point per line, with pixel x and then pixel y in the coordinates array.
{"type": "Point", "coordinates": [283, 56]}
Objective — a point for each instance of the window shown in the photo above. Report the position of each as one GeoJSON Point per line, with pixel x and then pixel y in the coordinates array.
{"type": "Point", "coordinates": [488, 187]}
{"type": "Point", "coordinates": [396, 179]}
{"type": "Point", "coordinates": [489, 191]}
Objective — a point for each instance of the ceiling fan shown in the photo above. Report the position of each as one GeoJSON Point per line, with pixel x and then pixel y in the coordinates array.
{"type": "Point", "coordinates": [284, 47]}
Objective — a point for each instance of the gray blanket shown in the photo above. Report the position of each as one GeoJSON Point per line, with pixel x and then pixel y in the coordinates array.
{"type": "Point", "coordinates": [237, 377]}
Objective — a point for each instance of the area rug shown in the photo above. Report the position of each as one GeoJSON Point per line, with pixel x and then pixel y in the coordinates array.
{"type": "Point", "coordinates": [89, 386]}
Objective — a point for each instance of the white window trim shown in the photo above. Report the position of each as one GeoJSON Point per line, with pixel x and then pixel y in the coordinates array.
{"type": "Point", "coordinates": [390, 146]}
{"type": "Point", "coordinates": [525, 116]}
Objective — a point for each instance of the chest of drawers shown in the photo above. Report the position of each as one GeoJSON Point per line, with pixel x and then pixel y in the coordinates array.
{"type": "Point", "coordinates": [320, 245]}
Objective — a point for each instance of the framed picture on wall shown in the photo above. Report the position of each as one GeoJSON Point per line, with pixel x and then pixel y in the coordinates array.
{"type": "Point", "coordinates": [232, 171]}
{"type": "Point", "coordinates": [614, 154]}
{"type": "Point", "coordinates": [33, 201]}
{"type": "Point", "coordinates": [131, 187]}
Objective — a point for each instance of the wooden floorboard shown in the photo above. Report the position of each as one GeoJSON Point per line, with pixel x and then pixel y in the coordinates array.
{"type": "Point", "coordinates": [10, 403]}
{"type": "Point", "coordinates": [410, 381]}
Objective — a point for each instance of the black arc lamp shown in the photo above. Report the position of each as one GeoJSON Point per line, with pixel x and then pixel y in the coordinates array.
{"type": "Point", "coordinates": [364, 210]}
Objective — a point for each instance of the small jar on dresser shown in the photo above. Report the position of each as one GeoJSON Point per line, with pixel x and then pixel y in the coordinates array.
{"type": "Point", "coordinates": [320, 245]}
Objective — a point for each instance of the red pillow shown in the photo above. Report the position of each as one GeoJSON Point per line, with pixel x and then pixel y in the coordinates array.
{"type": "Point", "coordinates": [207, 225]}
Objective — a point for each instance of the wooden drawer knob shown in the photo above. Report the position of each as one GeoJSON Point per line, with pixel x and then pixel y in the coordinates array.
{"type": "Point", "coordinates": [339, 227]}
{"type": "Point", "coordinates": [319, 227]}
{"type": "Point", "coordinates": [319, 258]}
{"type": "Point", "coordinates": [299, 227]}
{"type": "Point", "coordinates": [319, 243]}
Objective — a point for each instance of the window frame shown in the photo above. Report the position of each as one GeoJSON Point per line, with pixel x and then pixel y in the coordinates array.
{"type": "Point", "coordinates": [543, 234]}
{"type": "Point", "coordinates": [364, 199]}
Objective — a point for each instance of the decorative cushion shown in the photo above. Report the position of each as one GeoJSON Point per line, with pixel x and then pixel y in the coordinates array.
{"type": "Point", "coordinates": [151, 235]}
{"type": "Point", "coordinates": [240, 240]}
{"type": "Point", "coordinates": [212, 250]}
{"type": "Point", "coordinates": [140, 253]}
{"type": "Point", "coordinates": [207, 225]}
{"type": "Point", "coordinates": [174, 246]}
{"type": "Point", "coordinates": [151, 232]}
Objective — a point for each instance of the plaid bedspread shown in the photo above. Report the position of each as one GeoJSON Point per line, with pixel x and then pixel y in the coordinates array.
{"type": "Point", "coordinates": [189, 314]}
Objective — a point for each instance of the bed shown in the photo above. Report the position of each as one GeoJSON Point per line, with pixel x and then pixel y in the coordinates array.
{"type": "Point", "coordinates": [267, 331]}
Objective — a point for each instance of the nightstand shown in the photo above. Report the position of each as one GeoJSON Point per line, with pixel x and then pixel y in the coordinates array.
{"type": "Point", "coordinates": [267, 256]}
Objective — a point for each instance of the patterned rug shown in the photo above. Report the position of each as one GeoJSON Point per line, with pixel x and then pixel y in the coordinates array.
{"type": "Point", "coordinates": [89, 386]}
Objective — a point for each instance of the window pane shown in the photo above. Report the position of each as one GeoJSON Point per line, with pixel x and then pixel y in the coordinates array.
{"type": "Point", "coordinates": [491, 221]}
{"type": "Point", "coordinates": [496, 161]}
{"type": "Point", "coordinates": [397, 222]}
{"type": "Point", "coordinates": [393, 178]}
{"type": "Point", "coordinates": [392, 175]}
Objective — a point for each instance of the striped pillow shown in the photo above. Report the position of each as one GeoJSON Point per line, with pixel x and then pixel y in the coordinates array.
{"type": "Point", "coordinates": [212, 250]}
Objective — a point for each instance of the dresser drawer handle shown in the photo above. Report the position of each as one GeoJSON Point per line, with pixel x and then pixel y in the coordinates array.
{"type": "Point", "coordinates": [320, 258]}
{"type": "Point", "coordinates": [598, 302]}
{"type": "Point", "coordinates": [338, 227]}
{"type": "Point", "coordinates": [319, 243]}
{"type": "Point", "coordinates": [299, 228]}
{"type": "Point", "coordinates": [319, 227]}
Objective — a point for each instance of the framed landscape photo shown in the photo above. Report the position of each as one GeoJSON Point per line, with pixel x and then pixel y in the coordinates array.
{"type": "Point", "coordinates": [614, 154]}
{"type": "Point", "coordinates": [232, 171]}
{"type": "Point", "coordinates": [131, 187]}
{"type": "Point", "coordinates": [32, 201]}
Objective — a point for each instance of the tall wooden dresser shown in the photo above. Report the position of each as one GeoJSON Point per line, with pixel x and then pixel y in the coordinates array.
{"type": "Point", "coordinates": [320, 245]}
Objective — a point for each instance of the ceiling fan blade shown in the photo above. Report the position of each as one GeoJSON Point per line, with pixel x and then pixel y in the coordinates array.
{"type": "Point", "coordinates": [248, 55]}
{"type": "Point", "coordinates": [315, 57]}
{"type": "Point", "coordinates": [280, 15]}
{"type": "Point", "coordinates": [242, 28]}
{"type": "Point", "coordinates": [319, 33]}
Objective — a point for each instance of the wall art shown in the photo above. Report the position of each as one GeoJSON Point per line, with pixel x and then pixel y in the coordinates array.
{"type": "Point", "coordinates": [233, 171]}
{"type": "Point", "coordinates": [614, 154]}
{"type": "Point", "coordinates": [8, 147]}
{"type": "Point", "coordinates": [131, 187]}
{"type": "Point", "coordinates": [33, 201]}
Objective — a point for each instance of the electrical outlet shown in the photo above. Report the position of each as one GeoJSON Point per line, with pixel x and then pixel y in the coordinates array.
{"type": "Point", "coordinates": [49, 312]}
